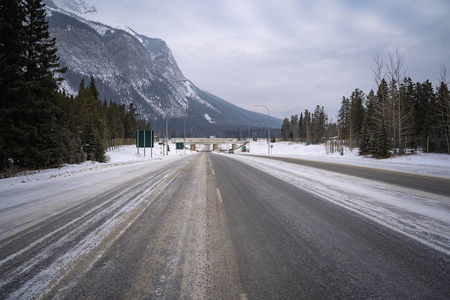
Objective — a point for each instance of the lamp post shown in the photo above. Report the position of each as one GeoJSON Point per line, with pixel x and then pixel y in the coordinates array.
{"type": "Point", "coordinates": [268, 128]}
{"type": "Point", "coordinates": [184, 145]}
{"type": "Point", "coordinates": [166, 146]}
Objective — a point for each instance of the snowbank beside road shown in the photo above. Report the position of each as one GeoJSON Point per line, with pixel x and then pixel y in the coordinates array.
{"type": "Point", "coordinates": [430, 164]}
{"type": "Point", "coordinates": [121, 156]}
{"type": "Point", "coordinates": [421, 215]}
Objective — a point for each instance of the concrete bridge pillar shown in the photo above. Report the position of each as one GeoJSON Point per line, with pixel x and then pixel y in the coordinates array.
{"type": "Point", "coordinates": [215, 147]}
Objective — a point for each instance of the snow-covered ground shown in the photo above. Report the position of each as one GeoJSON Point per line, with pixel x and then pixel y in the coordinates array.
{"type": "Point", "coordinates": [124, 155]}
{"type": "Point", "coordinates": [421, 215]}
{"type": "Point", "coordinates": [431, 164]}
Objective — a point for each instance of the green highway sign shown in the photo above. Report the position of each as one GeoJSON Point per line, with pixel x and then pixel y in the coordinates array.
{"type": "Point", "coordinates": [145, 139]}
{"type": "Point", "coordinates": [180, 146]}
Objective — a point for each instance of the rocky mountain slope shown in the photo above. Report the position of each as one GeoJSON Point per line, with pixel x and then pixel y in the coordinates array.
{"type": "Point", "coordinates": [129, 67]}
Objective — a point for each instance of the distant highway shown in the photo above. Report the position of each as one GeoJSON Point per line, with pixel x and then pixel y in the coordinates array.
{"type": "Point", "coordinates": [208, 226]}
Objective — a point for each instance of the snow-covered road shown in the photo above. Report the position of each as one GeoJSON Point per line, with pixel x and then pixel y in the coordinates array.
{"type": "Point", "coordinates": [424, 216]}
{"type": "Point", "coordinates": [47, 227]}
{"type": "Point", "coordinates": [43, 199]}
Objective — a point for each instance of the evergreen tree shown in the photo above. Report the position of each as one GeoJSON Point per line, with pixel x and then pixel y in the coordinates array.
{"type": "Point", "coordinates": [307, 125]}
{"type": "Point", "coordinates": [405, 113]}
{"type": "Point", "coordinates": [301, 128]}
{"type": "Point", "coordinates": [34, 131]}
{"type": "Point", "coordinates": [381, 144]}
{"type": "Point", "coordinates": [424, 118]}
{"type": "Point", "coordinates": [377, 110]}
{"type": "Point", "coordinates": [293, 134]}
{"type": "Point", "coordinates": [357, 112]}
{"type": "Point", "coordinates": [369, 125]}
{"type": "Point", "coordinates": [344, 118]}
{"type": "Point", "coordinates": [285, 129]}
{"type": "Point", "coordinates": [318, 121]}
{"type": "Point", "coordinates": [12, 62]}
{"type": "Point", "coordinates": [91, 121]}
{"type": "Point", "coordinates": [443, 114]}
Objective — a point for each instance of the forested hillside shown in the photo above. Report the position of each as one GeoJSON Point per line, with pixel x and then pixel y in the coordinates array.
{"type": "Point", "coordinates": [40, 126]}
{"type": "Point", "coordinates": [400, 117]}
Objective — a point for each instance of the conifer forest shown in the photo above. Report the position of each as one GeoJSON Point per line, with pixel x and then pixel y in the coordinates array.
{"type": "Point", "coordinates": [401, 117]}
{"type": "Point", "coordinates": [41, 126]}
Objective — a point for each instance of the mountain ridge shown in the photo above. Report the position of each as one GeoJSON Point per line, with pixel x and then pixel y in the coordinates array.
{"type": "Point", "coordinates": [132, 68]}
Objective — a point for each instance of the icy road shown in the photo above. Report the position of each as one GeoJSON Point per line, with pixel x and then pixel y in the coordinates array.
{"type": "Point", "coordinates": [212, 226]}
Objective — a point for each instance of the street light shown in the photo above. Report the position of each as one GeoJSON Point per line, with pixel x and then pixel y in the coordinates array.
{"type": "Point", "coordinates": [166, 145]}
{"type": "Point", "coordinates": [268, 128]}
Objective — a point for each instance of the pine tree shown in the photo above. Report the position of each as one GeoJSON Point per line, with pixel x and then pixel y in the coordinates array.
{"type": "Point", "coordinates": [91, 121]}
{"type": "Point", "coordinates": [443, 114]}
{"type": "Point", "coordinates": [382, 148]}
{"type": "Point", "coordinates": [405, 113]}
{"type": "Point", "coordinates": [34, 135]}
{"type": "Point", "coordinates": [344, 118]}
{"type": "Point", "coordinates": [301, 128]}
{"type": "Point", "coordinates": [377, 113]}
{"type": "Point", "coordinates": [307, 125]}
{"type": "Point", "coordinates": [318, 121]}
{"type": "Point", "coordinates": [422, 111]}
{"type": "Point", "coordinates": [285, 129]}
{"type": "Point", "coordinates": [356, 115]}
{"type": "Point", "coordinates": [370, 124]}
{"type": "Point", "coordinates": [365, 146]}
{"type": "Point", "coordinates": [12, 53]}
{"type": "Point", "coordinates": [293, 134]}
{"type": "Point", "coordinates": [45, 131]}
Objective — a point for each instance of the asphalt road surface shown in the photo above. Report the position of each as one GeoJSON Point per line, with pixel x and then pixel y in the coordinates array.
{"type": "Point", "coordinates": [210, 227]}
{"type": "Point", "coordinates": [436, 185]}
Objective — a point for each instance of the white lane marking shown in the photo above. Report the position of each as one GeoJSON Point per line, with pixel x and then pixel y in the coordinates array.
{"type": "Point", "coordinates": [213, 172]}
{"type": "Point", "coordinates": [219, 195]}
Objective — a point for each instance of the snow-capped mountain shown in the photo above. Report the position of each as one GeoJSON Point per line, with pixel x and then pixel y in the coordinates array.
{"type": "Point", "coordinates": [130, 67]}
{"type": "Point", "coordinates": [74, 6]}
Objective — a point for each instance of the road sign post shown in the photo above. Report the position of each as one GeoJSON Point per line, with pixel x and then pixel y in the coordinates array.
{"type": "Point", "coordinates": [179, 146]}
{"type": "Point", "coordinates": [145, 139]}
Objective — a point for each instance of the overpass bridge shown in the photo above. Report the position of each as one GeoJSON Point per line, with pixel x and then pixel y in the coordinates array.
{"type": "Point", "coordinates": [215, 142]}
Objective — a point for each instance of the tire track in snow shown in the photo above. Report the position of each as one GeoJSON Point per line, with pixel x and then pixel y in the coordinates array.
{"type": "Point", "coordinates": [30, 259]}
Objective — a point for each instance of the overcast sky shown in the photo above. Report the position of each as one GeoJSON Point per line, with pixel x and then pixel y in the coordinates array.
{"type": "Point", "coordinates": [291, 55]}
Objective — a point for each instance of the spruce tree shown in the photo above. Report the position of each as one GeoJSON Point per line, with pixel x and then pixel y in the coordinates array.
{"type": "Point", "coordinates": [33, 130]}
{"type": "Point", "coordinates": [443, 114]}
{"type": "Point", "coordinates": [12, 86]}
{"type": "Point", "coordinates": [381, 142]}
{"type": "Point", "coordinates": [344, 118]}
{"type": "Point", "coordinates": [91, 121]}
{"type": "Point", "coordinates": [42, 122]}
{"type": "Point", "coordinates": [301, 128]}
{"type": "Point", "coordinates": [285, 129]}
